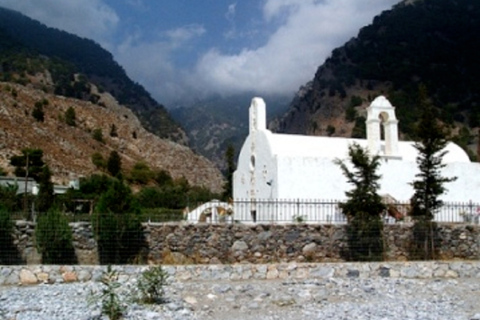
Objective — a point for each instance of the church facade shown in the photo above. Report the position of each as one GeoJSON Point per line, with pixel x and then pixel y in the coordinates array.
{"type": "Point", "coordinates": [274, 166]}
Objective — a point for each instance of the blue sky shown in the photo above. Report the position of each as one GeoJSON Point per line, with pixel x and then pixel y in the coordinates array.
{"type": "Point", "coordinates": [186, 49]}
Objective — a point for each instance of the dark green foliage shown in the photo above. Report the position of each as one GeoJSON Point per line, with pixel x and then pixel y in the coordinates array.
{"type": "Point", "coordinates": [54, 239]}
{"type": "Point", "coordinates": [8, 198]}
{"type": "Point", "coordinates": [34, 163]}
{"type": "Point", "coordinates": [70, 117]}
{"type": "Point", "coordinates": [429, 183]}
{"type": "Point", "coordinates": [8, 252]}
{"type": "Point", "coordinates": [162, 177]}
{"type": "Point", "coordinates": [99, 161]}
{"type": "Point", "coordinates": [141, 173]}
{"type": "Point", "coordinates": [38, 113]}
{"type": "Point", "coordinates": [364, 206]}
{"type": "Point", "coordinates": [45, 197]}
{"type": "Point", "coordinates": [351, 113]}
{"type": "Point", "coordinates": [95, 185]}
{"type": "Point", "coordinates": [97, 134]}
{"type": "Point", "coordinates": [365, 238]}
{"type": "Point", "coordinates": [114, 164]}
{"type": "Point", "coordinates": [228, 187]}
{"type": "Point", "coordinates": [151, 285]}
{"type": "Point", "coordinates": [117, 226]}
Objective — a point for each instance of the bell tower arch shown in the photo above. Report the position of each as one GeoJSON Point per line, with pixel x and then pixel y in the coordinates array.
{"type": "Point", "coordinates": [381, 115]}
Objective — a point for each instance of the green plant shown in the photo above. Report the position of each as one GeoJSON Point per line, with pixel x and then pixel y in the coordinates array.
{"type": "Point", "coordinates": [114, 163]}
{"type": "Point", "coordinates": [111, 303]}
{"type": "Point", "coordinates": [97, 134]}
{"type": "Point", "coordinates": [151, 285]}
{"type": "Point", "coordinates": [117, 226]}
{"type": "Point", "coordinates": [37, 112]}
{"type": "Point", "coordinates": [8, 252]}
{"type": "Point", "coordinates": [70, 117]}
{"type": "Point", "coordinates": [364, 206]}
{"type": "Point", "coordinates": [429, 183]}
{"type": "Point", "coordinates": [98, 161]}
{"type": "Point", "coordinates": [54, 238]}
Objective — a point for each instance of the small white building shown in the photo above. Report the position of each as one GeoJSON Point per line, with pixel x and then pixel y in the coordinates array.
{"type": "Point", "coordinates": [282, 166]}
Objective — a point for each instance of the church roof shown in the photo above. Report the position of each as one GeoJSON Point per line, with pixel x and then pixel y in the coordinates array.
{"type": "Point", "coordinates": [290, 145]}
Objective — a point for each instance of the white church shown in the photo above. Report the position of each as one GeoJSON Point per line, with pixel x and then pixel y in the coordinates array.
{"type": "Point", "coordinates": [274, 167]}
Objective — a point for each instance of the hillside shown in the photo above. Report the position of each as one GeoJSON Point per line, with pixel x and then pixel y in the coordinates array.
{"type": "Point", "coordinates": [68, 149]}
{"type": "Point", "coordinates": [215, 123]}
{"type": "Point", "coordinates": [28, 47]}
{"type": "Point", "coordinates": [429, 42]}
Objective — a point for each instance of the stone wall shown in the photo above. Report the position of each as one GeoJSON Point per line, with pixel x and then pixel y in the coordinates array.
{"type": "Point", "coordinates": [37, 274]}
{"type": "Point", "coordinates": [257, 244]}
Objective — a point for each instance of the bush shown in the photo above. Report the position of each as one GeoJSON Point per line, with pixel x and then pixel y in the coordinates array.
{"type": "Point", "coordinates": [8, 252]}
{"type": "Point", "coordinates": [151, 285]}
{"type": "Point", "coordinates": [70, 117]}
{"type": "Point", "coordinates": [97, 134]}
{"type": "Point", "coordinates": [117, 226]}
{"type": "Point", "coordinates": [54, 239]}
{"type": "Point", "coordinates": [37, 112]}
{"type": "Point", "coordinates": [111, 303]}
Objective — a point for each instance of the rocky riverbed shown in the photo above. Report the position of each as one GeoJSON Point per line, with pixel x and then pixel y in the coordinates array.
{"type": "Point", "coordinates": [327, 298]}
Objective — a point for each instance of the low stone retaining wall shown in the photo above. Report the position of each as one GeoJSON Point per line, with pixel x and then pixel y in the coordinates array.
{"type": "Point", "coordinates": [177, 243]}
{"type": "Point", "coordinates": [37, 274]}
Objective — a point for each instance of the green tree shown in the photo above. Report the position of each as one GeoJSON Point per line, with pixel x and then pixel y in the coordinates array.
{"type": "Point", "coordinates": [8, 252]}
{"type": "Point", "coordinates": [162, 177]}
{"type": "Point", "coordinates": [8, 197]}
{"type": "Point", "coordinates": [45, 197]}
{"type": "Point", "coordinates": [230, 159]}
{"type": "Point", "coordinates": [97, 134]}
{"type": "Point", "coordinates": [141, 173]}
{"type": "Point", "coordinates": [98, 161]}
{"type": "Point", "coordinates": [70, 117]}
{"type": "Point", "coordinates": [29, 164]}
{"type": "Point", "coordinates": [37, 112]}
{"type": "Point", "coordinates": [114, 164]}
{"type": "Point", "coordinates": [117, 225]}
{"type": "Point", "coordinates": [364, 206]}
{"type": "Point", "coordinates": [429, 183]}
{"type": "Point", "coordinates": [54, 239]}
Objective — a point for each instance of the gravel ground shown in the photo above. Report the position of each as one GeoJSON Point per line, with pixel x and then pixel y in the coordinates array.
{"type": "Point", "coordinates": [345, 298]}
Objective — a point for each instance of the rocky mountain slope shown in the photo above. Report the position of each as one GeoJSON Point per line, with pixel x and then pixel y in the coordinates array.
{"type": "Point", "coordinates": [429, 42]}
{"type": "Point", "coordinates": [28, 47]}
{"type": "Point", "coordinates": [68, 149]}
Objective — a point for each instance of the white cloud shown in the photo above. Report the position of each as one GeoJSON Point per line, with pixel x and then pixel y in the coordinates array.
{"type": "Point", "coordinates": [310, 30]}
{"type": "Point", "coordinates": [150, 62]}
{"type": "Point", "coordinates": [181, 35]}
{"type": "Point", "coordinates": [87, 18]}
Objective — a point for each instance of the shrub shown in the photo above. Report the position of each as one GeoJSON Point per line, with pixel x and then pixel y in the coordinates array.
{"type": "Point", "coordinates": [141, 173]}
{"type": "Point", "coordinates": [37, 112]}
{"type": "Point", "coordinates": [8, 252]}
{"type": "Point", "coordinates": [70, 117]}
{"type": "Point", "coordinates": [98, 161]}
{"type": "Point", "coordinates": [54, 239]}
{"type": "Point", "coordinates": [111, 303]}
{"type": "Point", "coordinates": [151, 285]}
{"type": "Point", "coordinates": [97, 134]}
{"type": "Point", "coordinates": [117, 226]}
